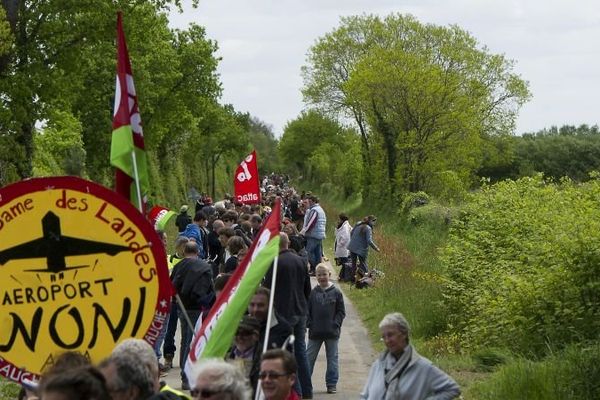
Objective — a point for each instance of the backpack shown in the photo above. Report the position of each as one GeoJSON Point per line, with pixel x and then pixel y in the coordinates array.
{"type": "Point", "coordinates": [347, 273]}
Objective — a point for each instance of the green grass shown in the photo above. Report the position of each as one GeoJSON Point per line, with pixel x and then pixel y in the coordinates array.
{"type": "Point", "coordinates": [569, 375]}
{"type": "Point", "coordinates": [8, 390]}
{"type": "Point", "coordinates": [412, 284]}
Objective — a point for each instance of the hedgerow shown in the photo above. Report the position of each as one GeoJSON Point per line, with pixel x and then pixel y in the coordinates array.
{"type": "Point", "coordinates": [523, 266]}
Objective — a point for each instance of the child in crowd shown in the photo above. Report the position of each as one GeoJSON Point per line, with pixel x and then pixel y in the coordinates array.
{"type": "Point", "coordinates": [326, 312]}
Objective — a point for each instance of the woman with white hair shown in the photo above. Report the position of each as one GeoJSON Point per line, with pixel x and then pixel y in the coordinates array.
{"type": "Point", "coordinates": [224, 381]}
{"type": "Point", "coordinates": [401, 373]}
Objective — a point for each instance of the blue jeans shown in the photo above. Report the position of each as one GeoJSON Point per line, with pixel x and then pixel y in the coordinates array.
{"type": "Point", "coordinates": [331, 351]}
{"type": "Point", "coordinates": [186, 338]}
{"type": "Point", "coordinates": [169, 344]}
{"type": "Point", "coordinates": [160, 339]}
{"type": "Point", "coordinates": [303, 384]}
{"type": "Point", "coordinates": [314, 251]}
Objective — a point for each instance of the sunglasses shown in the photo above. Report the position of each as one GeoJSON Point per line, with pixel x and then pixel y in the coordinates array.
{"type": "Point", "coordinates": [271, 375]}
{"type": "Point", "coordinates": [203, 393]}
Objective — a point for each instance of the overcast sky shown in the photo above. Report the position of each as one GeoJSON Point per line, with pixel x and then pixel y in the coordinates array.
{"type": "Point", "coordinates": [263, 43]}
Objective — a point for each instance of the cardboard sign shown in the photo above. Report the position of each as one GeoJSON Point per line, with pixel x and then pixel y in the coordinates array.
{"type": "Point", "coordinates": [81, 269]}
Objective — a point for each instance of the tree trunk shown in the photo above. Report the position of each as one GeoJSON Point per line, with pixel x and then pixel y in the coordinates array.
{"type": "Point", "coordinates": [389, 140]}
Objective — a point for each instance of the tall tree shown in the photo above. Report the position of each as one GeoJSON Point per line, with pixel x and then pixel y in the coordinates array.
{"type": "Point", "coordinates": [428, 94]}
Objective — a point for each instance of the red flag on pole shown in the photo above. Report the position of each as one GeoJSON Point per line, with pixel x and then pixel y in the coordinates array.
{"type": "Point", "coordinates": [246, 183]}
{"type": "Point", "coordinates": [127, 152]}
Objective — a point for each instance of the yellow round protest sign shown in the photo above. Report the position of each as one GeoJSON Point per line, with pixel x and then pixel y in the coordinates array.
{"type": "Point", "coordinates": [81, 269]}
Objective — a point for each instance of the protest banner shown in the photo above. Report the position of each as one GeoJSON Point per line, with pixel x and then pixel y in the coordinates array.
{"type": "Point", "coordinates": [81, 269]}
{"type": "Point", "coordinates": [246, 183]}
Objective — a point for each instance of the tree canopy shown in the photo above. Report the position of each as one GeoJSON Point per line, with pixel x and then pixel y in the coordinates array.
{"type": "Point", "coordinates": [424, 97]}
{"type": "Point", "coordinates": [57, 82]}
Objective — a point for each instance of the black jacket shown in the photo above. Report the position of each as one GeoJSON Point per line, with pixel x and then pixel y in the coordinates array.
{"type": "Point", "coordinates": [292, 287]}
{"type": "Point", "coordinates": [183, 220]}
{"type": "Point", "coordinates": [193, 281]}
{"type": "Point", "coordinates": [326, 312]}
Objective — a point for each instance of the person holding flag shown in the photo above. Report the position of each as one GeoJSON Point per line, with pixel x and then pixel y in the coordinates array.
{"type": "Point", "coordinates": [215, 336]}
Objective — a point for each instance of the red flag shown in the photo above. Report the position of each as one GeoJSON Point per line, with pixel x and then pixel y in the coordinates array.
{"type": "Point", "coordinates": [127, 152]}
{"type": "Point", "coordinates": [246, 183]}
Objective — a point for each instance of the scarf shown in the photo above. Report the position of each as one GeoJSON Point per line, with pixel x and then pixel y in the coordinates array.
{"type": "Point", "coordinates": [393, 368]}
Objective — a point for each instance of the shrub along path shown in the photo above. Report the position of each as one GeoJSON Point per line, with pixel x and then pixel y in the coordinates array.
{"type": "Point", "coordinates": [355, 357]}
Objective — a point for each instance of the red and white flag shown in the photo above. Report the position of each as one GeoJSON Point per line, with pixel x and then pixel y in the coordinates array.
{"type": "Point", "coordinates": [246, 183]}
{"type": "Point", "coordinates": [127, 151]}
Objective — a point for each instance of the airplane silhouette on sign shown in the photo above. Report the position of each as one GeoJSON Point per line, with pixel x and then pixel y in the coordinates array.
{"type": "Point", "coordinates": [54, 247]}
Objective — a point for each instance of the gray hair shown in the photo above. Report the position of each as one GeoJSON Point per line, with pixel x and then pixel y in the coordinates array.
{"type": "Point", "coordinates": [396, 320]}
{"type": "Point", "coordinates": [140, 349]}
{"type": "Point", "coordinates": [180, 241]}
{"type": "Point", "coordinates": [225, 377]}
{"type": "Point", "coordinates": [130, 372]}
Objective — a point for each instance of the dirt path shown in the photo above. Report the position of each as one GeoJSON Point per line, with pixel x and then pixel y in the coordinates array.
{"type": "Point", "coordinates": [355, 357]}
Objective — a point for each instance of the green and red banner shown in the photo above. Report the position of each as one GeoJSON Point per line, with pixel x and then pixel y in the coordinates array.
{"type": "Point", "coordinates": [159, 216]}
{"type": "Point", "coordinates": [127, 151]}
{"type": "Point", "coordinates": [218, 329]}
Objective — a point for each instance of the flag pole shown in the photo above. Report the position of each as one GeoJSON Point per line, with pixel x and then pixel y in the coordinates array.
{"type": "Point", "coordinates": [259, 394]}
{"type": "Point", "coordinates": [137, 181]}
{"type": "Point", "coordinates": [270, 313]}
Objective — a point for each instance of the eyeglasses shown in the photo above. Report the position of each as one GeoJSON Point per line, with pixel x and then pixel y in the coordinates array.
{"type": "Point", "coordinates": [271, 375]}
{"type": "Point", "coordinates": [203, 393]}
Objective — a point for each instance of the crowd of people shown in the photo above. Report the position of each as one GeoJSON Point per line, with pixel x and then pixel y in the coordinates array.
{"type": "Point", "coordinates": [208, 249]}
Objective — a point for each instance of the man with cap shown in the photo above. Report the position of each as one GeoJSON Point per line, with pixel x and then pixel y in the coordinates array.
{"type": "Point", "coordinates": [183, 219]}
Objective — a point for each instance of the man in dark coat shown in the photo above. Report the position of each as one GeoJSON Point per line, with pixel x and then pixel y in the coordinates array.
{"type": "Point", "coordinates": [193, 281]}
{"type": "Point", "coordinates": [183, 219]}
{"type": "Point", "coordinates": [292, 290]}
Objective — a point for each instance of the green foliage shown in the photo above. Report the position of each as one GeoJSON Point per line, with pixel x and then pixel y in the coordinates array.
{"type": "Point", "coordinates": [433, 213]}
{"type": "Point", "coordinates": [59, 72]}
{"type": "Point", "coordinates": [424, 98]}
{"type": "Point", "coordinates": [413, 200]}
{"type": "Point", "coordinates": [448, 187]}
{"type": "Point", "coordinates": [522, 265]}
{"type": "Point", "coordinates": [322, 151]}
{"type": "Point", "coordinates": [8, 390]}
{"type": "Point", "coordinates": [570, 375]}
{"type": "Point", "coordinates": [263, 140]}
{"type": "Point", "coordinates": [59, 147]}
{"type": "Point", "coordinates": [556, 152]}
{"type": "Point", "coordinates": [489, 358]}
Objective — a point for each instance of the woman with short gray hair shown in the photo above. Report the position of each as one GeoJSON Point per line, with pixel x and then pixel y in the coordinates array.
{"type": "Point", "coordinates": [215, 376]}
{"type": "Point", "coordinates": [401, 373]}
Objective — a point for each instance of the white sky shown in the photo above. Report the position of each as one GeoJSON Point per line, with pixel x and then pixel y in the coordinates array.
{"type": "Point", "coordinates": [263, 43]}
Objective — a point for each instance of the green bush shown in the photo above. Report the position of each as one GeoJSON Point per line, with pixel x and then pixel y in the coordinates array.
{"type": "Point", "coordinates": [413, 200]}
{"type": "Point", "coordinates": [570, 375]}
{"type": "Point", "coordinates": [431, 213]}
{"type": "Point", "coordinates": [523, 266]}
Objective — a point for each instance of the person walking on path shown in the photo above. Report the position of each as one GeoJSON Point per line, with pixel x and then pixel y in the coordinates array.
{"type": "Point", "coordinates": [360, 240]}
{"type": "Point", "coordinates": [401, 373]}
{"type": "Point", "coordinates": [314, 231]}
{"type": "Point", "coordinates": [326, 312]}
{"type": "Point", "coordinates": [292, 288]}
